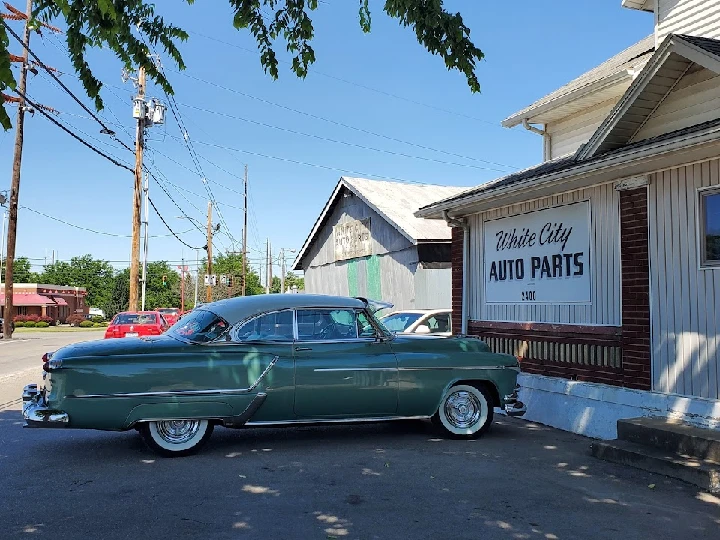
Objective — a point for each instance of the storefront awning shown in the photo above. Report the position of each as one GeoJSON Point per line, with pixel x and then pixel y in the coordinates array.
{"type": "Point", "coordinates": [59, 301]}
{"type": "Point", "coordinates": [21, 299]}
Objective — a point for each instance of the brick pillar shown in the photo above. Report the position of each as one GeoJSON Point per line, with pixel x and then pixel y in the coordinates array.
{"type": "Point", "coordinates": [456, 257]}
{"type": "Point", "coordinates": [635, 277]}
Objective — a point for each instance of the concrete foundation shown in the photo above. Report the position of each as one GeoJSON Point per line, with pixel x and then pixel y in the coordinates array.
{"type": "Point", "coordinates": [593, 409]}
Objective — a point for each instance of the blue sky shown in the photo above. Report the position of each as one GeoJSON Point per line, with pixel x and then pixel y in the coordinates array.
{"type": "Point", "coordinates": [282, 129]}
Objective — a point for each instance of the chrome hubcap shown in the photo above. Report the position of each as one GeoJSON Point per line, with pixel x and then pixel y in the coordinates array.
{"type": "Point", "coordinates": [462, 409]}
{"type": "Point", "coordinates": [178, 431]}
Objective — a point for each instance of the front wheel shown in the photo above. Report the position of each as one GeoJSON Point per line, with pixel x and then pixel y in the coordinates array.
{"type": "Point", "coordinates": [465, 411]}
{"type": "Point", "coordinates": [175, 438]}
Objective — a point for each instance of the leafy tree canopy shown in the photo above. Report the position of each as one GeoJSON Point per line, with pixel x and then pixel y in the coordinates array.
{"type": "Point", "coordinates": [129, 28]}
{"type": "Point", "coordinates": [22, 270]}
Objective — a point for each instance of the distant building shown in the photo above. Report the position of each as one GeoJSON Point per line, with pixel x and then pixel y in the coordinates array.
{"type": "Point", "coordinates": [54, 301]}
{"type": "Point", "coordinates": [367, 242]}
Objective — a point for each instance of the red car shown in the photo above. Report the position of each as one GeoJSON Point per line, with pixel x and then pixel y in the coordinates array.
{"type": "Point", "coordinates": [135, 324]}
{"type": "Point", "coordinates": [171, 314]}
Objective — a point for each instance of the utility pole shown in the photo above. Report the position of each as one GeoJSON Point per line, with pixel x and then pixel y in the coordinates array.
{"type": "Point", "coordinates": [208, 293]}
{"type": "Point", "coordinates": [139, 112]}
{"type": "Point", "coordinates": [2, 244]}
{"type": "Point", "coordinates": [183, 269]}
{"type": "Point", "coordinates": [282, 270]}
{"type": "Point", "coordinates": [15, 182]}
{"type": "Point", "coordinates": [244, 261]}
{"type": "Point", "coordinates": [267, 266]}
{"type": "Point", "coordinates": [197, 275]}
{"type": "Point", "coordinates": [146, 238]}
{"type": "Point", "coordinates": [270, 266]}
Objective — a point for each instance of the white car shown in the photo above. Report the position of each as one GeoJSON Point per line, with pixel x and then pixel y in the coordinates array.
{"type": "Point", "coordinates": [420, 321]}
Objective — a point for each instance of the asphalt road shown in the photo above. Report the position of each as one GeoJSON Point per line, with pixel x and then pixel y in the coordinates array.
{"type": "Point", "coordinates": [393, 481]}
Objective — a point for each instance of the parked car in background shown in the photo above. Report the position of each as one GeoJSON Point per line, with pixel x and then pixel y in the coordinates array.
{"type": "Point", "coordinates": [136, 324]}
{"type": "Point", "coordinates": [171, 314]}
{"type": "Point", "coordinates": [420, 321]}
{"type": "Point", "coordinates": [270, 360]}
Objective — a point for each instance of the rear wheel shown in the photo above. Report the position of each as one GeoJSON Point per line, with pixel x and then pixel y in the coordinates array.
{"type": "Point", "coordinates": [175, 438]}
{"type": "Point", "coordinates": [465, 411]}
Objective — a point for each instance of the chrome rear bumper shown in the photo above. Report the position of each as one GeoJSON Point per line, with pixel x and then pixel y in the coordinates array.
{"type": "Point", "coordinates": [513, 406]}
{"type": "Point", "coordinates": [37, 414]}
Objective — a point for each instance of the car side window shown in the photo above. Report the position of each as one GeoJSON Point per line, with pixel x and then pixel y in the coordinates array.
{"type": "Point", "coordinates": [275, 326]}
{"type": "Point", "coordinates": [326, 324]}
{"type": "Point", "coordinates": [439, 323]}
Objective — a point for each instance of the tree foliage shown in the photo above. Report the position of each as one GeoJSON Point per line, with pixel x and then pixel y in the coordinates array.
{"type": "Point", "coordinates": [132, 29]}
{"type": "Point", "coordinates": [95, 275]}
{"type": "Point", "coordinates": [22, 270]}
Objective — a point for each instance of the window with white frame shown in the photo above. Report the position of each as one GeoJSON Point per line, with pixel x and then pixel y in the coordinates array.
{"type": "Point", "coordinates": [710, 227]}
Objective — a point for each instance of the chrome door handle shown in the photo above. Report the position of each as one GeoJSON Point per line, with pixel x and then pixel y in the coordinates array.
{"type": "Point", "coordinates": [298, 349]}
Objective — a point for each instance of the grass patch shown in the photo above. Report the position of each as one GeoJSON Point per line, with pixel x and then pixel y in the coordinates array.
{"type": "Point", "coordinates": [23, 330]}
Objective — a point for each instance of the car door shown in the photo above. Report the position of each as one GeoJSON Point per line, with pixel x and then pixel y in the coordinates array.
{"type": "Point", "coordinates": [343, 368]}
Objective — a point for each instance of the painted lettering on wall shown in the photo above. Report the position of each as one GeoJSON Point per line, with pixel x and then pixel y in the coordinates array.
{"type": "Point", "coordinates": [540, 257]}
{"type": "Point", "coordinates": [352, 239]}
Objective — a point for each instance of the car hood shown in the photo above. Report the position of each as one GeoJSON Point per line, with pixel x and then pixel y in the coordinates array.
{"type": "Point", "coordinates": [122, 346]}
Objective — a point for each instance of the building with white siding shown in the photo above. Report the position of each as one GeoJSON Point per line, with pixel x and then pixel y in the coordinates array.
{"type": "Point", "coordinates": [367, 242]}
{"type": "Point", "coordinates": [600, 267]}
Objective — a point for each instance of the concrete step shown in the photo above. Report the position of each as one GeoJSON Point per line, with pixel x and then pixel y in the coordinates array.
{"type": "Point", "coordinates": [702, 473]}
{"type": "Point", "coordinates": [672, 436]}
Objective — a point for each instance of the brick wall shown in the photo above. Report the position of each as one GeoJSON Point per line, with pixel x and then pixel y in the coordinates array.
{"type": "Point", "coordinates": [635, 289]}
{"type": "Point", "coordinates": [456, 257]}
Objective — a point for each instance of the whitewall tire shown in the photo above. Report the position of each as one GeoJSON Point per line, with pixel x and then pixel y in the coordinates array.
{"type": "Point", "coordinates": [175, 438]}
{"type": "Point", "coordinates": [465, 411]}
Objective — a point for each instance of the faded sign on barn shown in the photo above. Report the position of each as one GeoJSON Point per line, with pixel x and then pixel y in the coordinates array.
{"type": "Point", "coordinates": [541, 257]}
{"type": "Point", "coordinates": [352, 239]}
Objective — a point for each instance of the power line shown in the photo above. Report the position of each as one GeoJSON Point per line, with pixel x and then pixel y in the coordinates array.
{"type": "Point", "coordinates": [359, 85]}
{"type": "Point", "coordinates": [338, 141]}
{"type": "Point", "coordinates": [88, 229]}
{"type": "Point", "coordinates": [73, 135]}
{"type": "Point", "coordinates": [305, 163]}
{"type": "Point", "coordinates": [168, 226]}
{"type": "Point", "coordinates": [106, 130]}
{"type": "Point", "coordinates": [341, 124]}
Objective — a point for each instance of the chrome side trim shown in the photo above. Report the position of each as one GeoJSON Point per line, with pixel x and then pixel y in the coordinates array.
{"type": "Point", "coordinates": [174, 393]}
{"type": "Point", "coordinates": [247, 414]}
{"type": "Point", "coordinates": [333, 421]}
{"type": "Point", "coordinates": [449, 368]}
{"type": "Point", "coordinates": [358, 369]}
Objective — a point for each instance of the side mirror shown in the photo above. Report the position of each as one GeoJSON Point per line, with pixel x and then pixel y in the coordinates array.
{"type": "Point", "coordinates": [422, 329]}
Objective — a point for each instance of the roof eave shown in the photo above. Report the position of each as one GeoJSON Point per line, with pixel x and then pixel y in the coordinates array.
{"type": "Point", "coordinates": [609, 163]}
{"type": "Point", "coordinates": [566, 99]}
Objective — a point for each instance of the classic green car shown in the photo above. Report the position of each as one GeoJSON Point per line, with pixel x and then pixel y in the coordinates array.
{"type": "Point", "coordinates": [270, 360]}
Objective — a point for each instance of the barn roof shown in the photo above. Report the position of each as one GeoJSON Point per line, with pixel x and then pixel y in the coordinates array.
{"type": "Point", "coordinates": [396, 203]}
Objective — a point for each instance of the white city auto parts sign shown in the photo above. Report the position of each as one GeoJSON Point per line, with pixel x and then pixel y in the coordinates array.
{"type": "Point", "coordinates": [539, 257]}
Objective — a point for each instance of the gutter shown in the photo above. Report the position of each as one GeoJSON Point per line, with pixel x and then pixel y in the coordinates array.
{"type": "Point", "coordinates": [453, 222]}
{"type": "Point", "coordinates": [545, 136]}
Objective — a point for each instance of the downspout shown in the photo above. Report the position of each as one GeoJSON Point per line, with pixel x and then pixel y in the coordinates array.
{"type": "Point", "coordinates": [545, 135]}
{"type": "Point", "coordinates": [454, 222]}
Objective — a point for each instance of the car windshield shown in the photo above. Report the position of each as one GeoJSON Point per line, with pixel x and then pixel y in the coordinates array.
{"type": "Point", "coordinates": [399, 322]}
{"type": "Point", "coordinates": [200, 326]}
{"type": "Point", "coordinates": [135, 318]}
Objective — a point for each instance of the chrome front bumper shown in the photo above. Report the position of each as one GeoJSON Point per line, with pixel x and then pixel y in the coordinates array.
{"type": "Point", "coordinates": [513, 406]}
{"type": "Point", "coordinates": [37, 414]}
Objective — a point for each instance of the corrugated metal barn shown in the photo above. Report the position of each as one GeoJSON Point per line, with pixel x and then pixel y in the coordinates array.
{"type": "Point", "coordinates": [367, 242]}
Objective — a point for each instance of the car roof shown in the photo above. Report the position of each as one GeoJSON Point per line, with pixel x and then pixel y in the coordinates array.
{"type": "Point", "coordinates": [241, 307]}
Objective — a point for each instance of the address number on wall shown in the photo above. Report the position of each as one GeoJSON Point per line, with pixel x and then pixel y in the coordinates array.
{"type": "Point", "coordinates": [529, 296]}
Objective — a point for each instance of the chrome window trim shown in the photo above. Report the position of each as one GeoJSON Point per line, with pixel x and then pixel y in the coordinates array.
{"type": "Point", "coordinates": [184, 393]}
